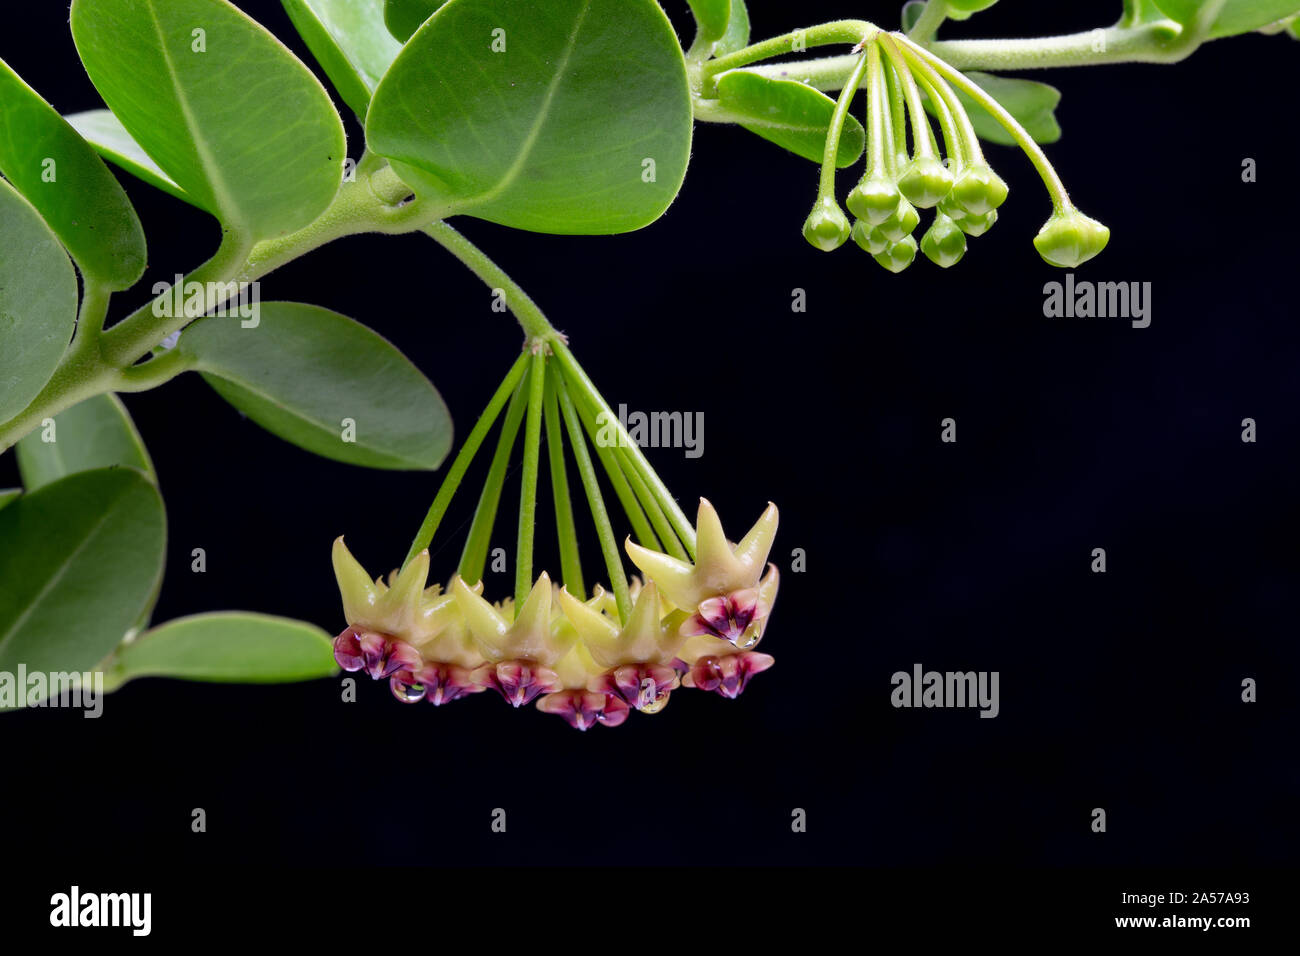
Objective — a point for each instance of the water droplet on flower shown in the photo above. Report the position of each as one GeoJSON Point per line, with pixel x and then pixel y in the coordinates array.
{"type": "Point", "coordinates": [407, 693]}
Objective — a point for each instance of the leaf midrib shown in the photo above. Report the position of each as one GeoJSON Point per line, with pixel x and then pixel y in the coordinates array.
{"type": "Point", "coordinates": [220, 190]}
{"type": "Point", "coordinates": [58, 576]}
{"type": "Point", "coordinates": [543, 114]}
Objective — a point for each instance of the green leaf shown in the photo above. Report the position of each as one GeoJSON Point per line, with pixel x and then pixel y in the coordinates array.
{"type": "Point", "coordinates": [560, 131]}
{"type": "Point", "coordinates": [1032, 103]}
{"type": "Point", "coordinates": [228, 647]}
{"type": "Point", "coordinates": [96, 433]}
{"type": "Point", "coordinates": [9, 495]}
{"type": "Point", "coordinates": [1139, 12]}
{"type": "Point", "coordinates": [711, 18]}
{"type": "Point", "coordinates": [104, 131]}
{"type": "Point", "coordinates": [38, 302]}
{"type": "Point", "coordinates": [303, 370]}
{"type": "Point", "coordinates": [224, 109]}
{"type": "Point", "coordinates": [79, 560]}
{"type": "Point", "coordinates": [350, 41]}
{"type": "Point", "coordinates": [1237, 16]}
{"type": "Point", "coordinates": [48, 162]}
{"type": "Point", "coordinates": [788, 113]}
{"type": "Point", "coordinates": [737, 35]}
{"type": "Point", "coordinates": [404, 17]}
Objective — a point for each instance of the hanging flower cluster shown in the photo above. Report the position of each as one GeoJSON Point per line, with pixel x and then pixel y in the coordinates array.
{"type": "Point", "coordinates": [901, 79]}
{"type": "Point", "coordinates": [694, 623]}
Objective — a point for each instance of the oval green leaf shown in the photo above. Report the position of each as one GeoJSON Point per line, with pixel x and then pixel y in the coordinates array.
{"type": "Point", "coordinates": [304, 372]}
{"type": "Point", "coordinates": [60, 174]}
{"type": "Point", "coordinates": [1237, 16]}
{"type": "Point", "coordinates": [350, 41]}
{"type": "Point", "coordinates": [79, 560]}
{"type": "Point", "coordinates": [38, 302]}
{"type": "Point", "coordinates": [227, 647]}
{"type": "Point", "coordinates": [790, 114]}
{"type": "Point", "coordinates": [1033, 104]}
{"type": "Point", "coordinates": [105, 132]}
{"type": "Point", "coordinates": [404, 17]}
{"type": "Point", "coordinates": [711, 18]}
{"type": "Point", "coordinates": [223, 108]}
{"type": "Point", "coordinates": [578, 122]}
{"type": "Point", "coordinates": [96, 433]}
{"type": "Point", "coordinates": [737, 35]}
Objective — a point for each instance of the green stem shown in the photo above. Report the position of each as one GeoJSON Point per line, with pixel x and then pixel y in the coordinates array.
{"type": "Point", "coordinates": [896, 132]}
{"type": "Point", "coordinates": [826, 34]}
{"type": "Point", "coordinates": [565, 530]}
{"type": "Point", "coordinates": [604, 531]}
{"type": "Point", "coordinates": [928, 23]}
{"type": "Point", "coordinates": [658, 519]}
{"type": "Point", "coordinates": [875, 116]}
{"type": "Point", "coordinates": [830, 158]}
{"type": "Point", "coordinates": [1163, 41]}
{"type": "Point", "coordinates": [1055, 188]}
{"type": "Point", "coordinates": [922, 135]}
{"type": "Point", "coordinates": [467, 452]}
{"type": "Point", "coordinates": [952, 138]}
{"type": "Point", "coordinates": [618, 479]}
{"type": "Point", "coordinates": [972, 152]}
{"type": "Point", "coordinates": [578, 379]}
{"type": "Point", "coordinates": [162, 368]}
{"type": "Point", "coordinates": [528, 480]}
{"type": "Point", "coordinates": [530, 317]}
{"type": "Point", "coordinates": [90, 317]}
{"type": "Point", "coordinates": [474, 556]}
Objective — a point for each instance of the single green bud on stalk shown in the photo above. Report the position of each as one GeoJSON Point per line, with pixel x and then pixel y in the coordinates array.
{"type": "Point", "coordinates": [926, 182]}
{"type": "Point", "coordinates": [979, 189]}
{"type": "Point", "coordinates": [944, 243]}
{"type": "Point", "coordinates": [976, 226]}
{"type": "Point", "coordinates": [869, 237]}
{"type": "Point", "coordinates": [1070, 239]}
{"type": "Point", "coordinates": [875, 199]}
{"type": "Point", "coordinates": [902, 223]}
{"type": "Point", "coordinates": [961, 9]}
{"type": "Point", "coordinates": [899, 255]}
{"type": "Point", "coordinates": [826, 227]}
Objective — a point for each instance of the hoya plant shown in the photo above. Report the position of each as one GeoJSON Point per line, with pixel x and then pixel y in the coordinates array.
{"type": "Point", "coordinates": [559, 116]}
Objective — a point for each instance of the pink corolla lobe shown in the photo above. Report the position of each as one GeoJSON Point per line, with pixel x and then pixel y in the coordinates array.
{"type": "Point", "coordinates": [584, 709]}
{"type": "Point", "coordinates": [376, 654]}
{"type": "Point", "coordinates": [727, 616]}
{"type": "Point", "coordinates": [727, 673]}
{"type": "Point", "coordinates": [519, 682]}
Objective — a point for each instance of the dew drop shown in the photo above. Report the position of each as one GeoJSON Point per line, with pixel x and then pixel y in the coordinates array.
{"type": "Point", "coordinates": [407, 693]}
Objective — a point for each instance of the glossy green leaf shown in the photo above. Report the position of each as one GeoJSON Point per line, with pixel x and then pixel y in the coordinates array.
{"type": "Point", "coordinates": [105, 132]}
{"type": "Point", "coordinates": [579, 121]}
{"type": "Point", "coordinates": [38, 302]}
{"type": "Point", "coordinates": [96, 433]}
{"type": "Point", "coordinates": [228, 647]}
{"type": "Point", "coordinates": [9, 495]}
{"type": "Point", "coordinates": [1032, 103]}
{"type": "Point", "coordinates": [223, 108]}
{"type": "Point", "coordinates": [79, 560]}
{"type": "Point", "coordinates": [711, 18]}
{"type": "Point", "coordinates": [404, 17]}
{"type": "Point", "coordinates": [49, 163]}
{"type": "Point", "coordinates": [350, 41]}
{"type": "Point", "coordinates": [1237, 16]}
{"type": "Point", "coordinates": [304, 372]}
{"type": "Point", "coordinates": [788, 113]}
{"type": "Point", "coordinates": [1138, 12]}
{"type": "Point", "coordinates": [737, 35]}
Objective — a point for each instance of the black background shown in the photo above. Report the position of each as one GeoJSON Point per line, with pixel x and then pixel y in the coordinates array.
{"type": "Point", "coordinates": [1119, 690]}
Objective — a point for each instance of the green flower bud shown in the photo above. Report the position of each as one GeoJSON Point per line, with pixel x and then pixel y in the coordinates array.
{"type": "Point", "coordinates": [869, 237]}
{"type": "Point", "coordinates": [899, 255]}
{"type": "Point", "coordinates": [827, 228]}
{"type": "Point", "coordinates": [925, 182]}
{"type": "Point", "coordinates": [944, 243]}
{"type": "Point", "coordinates": [979, 189]}
{"type": "Point", "coordinates": [874, 199]}
{"type": "Point", "coordinates": [961, 9]}
{"type": "Point", "coordinates": [976, 226]}
{"type": "Point", "coordinates": [902, 223]}
{"type": "Point", "coordinates": [1070, 239]}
